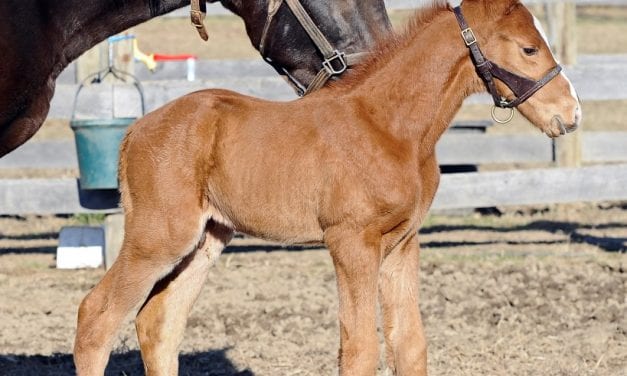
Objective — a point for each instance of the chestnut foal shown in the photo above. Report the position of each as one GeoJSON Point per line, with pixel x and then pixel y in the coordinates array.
{"type": "Point", "coordinates": [352, 165]}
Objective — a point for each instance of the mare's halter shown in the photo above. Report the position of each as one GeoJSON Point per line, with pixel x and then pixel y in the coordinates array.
{"type": "Point", "coordinates": [334, 62]}
{"type": "Point", "coordinates": [522, 87]}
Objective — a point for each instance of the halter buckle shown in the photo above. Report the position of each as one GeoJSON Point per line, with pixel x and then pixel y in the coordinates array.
{"type": "Point", "coordinates": [197, 18]}
{"type": "Point", "coordinates": [469, 37]}
{"type": "Point", "coordinates": [337, 58]}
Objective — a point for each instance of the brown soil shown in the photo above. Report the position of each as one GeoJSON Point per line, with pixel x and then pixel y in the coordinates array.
{"type": "Point", "coordinates": [529, 292]}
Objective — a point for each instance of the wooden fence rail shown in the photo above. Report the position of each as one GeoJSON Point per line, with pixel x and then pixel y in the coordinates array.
{"type": "Point", "coordinates": [598, 77]}
{"type": "Point", "coordinates": [463, 190]}
{"type": "Point", "coordinates": [531, 187]}
{"type": "Point", "coordinates": [519, 187]}
{"type": "Point", "coordinates": [452, 149]}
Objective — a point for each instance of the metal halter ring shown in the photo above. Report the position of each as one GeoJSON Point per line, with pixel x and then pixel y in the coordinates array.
{"type": "Point", "coordinates": [340, 58]}
{"type": "Point", "coordinates": [502, 121]}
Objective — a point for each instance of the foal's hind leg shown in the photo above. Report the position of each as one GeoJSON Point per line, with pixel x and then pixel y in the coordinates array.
{"type": "Point", "coordinates": [154, 243]}
{"type": "Point", "coordinates": [406, 348]}
{"type": "Point", "coordinates": [356, 259]}
{"type": "Point", "coordinates": [161, 321]}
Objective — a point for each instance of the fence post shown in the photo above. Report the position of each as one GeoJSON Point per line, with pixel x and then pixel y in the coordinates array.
{"type": "Point", "coordinates": [96, 59]}
{"type": "Point", "coordinates": [567, 150]}
{"type": "Point", "coordinates": [92, 61]}
{"type": "Point", "coordinates": [562, 19]}
{"type": "Point", "coordinates": [114, 236]}
{"type": "Point", "coordinates": [569, 34]}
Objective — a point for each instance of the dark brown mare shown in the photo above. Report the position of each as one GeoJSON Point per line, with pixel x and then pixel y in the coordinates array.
{"type": "Point", "coordinates": [352, 166]}
{"type": "Point", "coordinates": [39, 38]}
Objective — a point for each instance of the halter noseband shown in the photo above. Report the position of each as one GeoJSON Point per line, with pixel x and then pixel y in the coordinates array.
{"type": "Point", "coordinates": [522, 87]}
{"type": "Point", "coordinates": [334, 63]}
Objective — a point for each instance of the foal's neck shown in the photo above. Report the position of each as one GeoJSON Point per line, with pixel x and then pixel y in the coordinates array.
{"type": "Point", "coordinates": [422, 86]}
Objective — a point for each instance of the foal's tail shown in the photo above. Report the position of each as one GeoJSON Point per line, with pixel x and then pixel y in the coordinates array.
{"type": "Point", "coordinates": [125, 199]}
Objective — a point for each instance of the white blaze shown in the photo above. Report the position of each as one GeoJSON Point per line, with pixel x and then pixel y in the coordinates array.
{"type": "Point", "coordinates": [538, 25]}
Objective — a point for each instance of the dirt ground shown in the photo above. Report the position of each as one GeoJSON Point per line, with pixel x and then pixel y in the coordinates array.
{"type": "Point", "coordinates": [539, 292]}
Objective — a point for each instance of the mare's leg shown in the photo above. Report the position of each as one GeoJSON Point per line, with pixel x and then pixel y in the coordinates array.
{"type": "Point", "coordinates": [155, 241]}
{"type": "Point", "coordinates": [406, 349]}
{"type": "Point", "coordinates": [356, 258]}
{"type": "Point", "coordinates": [162, 319]}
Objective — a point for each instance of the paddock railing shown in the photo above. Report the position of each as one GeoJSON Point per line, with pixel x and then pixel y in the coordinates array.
{"type": "Point", "coordinates": [596, 77]}
{"type": "Point", "coordinates": [459, 190]}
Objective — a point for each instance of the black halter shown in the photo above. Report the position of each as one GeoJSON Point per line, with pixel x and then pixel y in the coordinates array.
{"type": "Point", "coordinates": [522, 87]}
{"type": "Point", "coordinates": [335, 62]}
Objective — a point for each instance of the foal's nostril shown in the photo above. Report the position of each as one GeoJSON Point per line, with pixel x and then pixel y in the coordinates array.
{"type": "Point", "coordinates": [558, 126]}
{"type": "Point", "coordinates": [578, 115]}
{"type": "Point", "coordinates": [572, 128]}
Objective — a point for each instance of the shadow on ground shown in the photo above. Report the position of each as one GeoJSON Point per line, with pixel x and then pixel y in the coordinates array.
{"type": "Point", "coordinates": [573, 233]}
{"type": "Point", "coordinates": [209, 363]}
{"type": "Point", "coordinates": [572, 230]}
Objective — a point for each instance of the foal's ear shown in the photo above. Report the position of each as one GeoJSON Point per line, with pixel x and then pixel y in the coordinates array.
{"type": "Point", "coordinates": [504, 7]}
{"type": "Point", "coordinates": [513, 5]}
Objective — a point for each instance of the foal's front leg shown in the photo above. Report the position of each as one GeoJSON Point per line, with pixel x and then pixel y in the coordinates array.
{"type": "Point", "coordinates": [406, 349]}
{"type": "Point", "coordinates": [356, 260]}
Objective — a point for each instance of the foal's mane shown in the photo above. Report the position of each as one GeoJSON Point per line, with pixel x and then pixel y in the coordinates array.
{"type": "Point", "coordinates": [390, 45]}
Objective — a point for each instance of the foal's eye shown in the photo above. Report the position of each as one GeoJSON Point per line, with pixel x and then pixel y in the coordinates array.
{"type": "Point", "coordinates": [530, 51]}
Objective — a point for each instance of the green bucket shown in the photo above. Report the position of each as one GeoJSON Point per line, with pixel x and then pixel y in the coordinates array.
{"type": "Point", "coordinates": [98, 148]}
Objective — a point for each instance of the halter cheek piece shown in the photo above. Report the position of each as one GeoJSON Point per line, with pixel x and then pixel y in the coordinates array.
{"type": "Point", "coordinates": [334, 63]}
{"type": "Point", "coordinates": [522, 87]}
{"type": "Point", "coordinates": [197, 16]}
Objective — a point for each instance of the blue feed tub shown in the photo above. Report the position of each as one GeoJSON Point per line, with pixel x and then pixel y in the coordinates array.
{"type": "Point", "coordinates": [97, 147]}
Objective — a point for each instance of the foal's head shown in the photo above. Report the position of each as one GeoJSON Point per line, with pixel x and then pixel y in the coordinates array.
{"type": "Point", "coordinates": [517, 43]}
{"type": "Point", "coordinates": [350, 26]}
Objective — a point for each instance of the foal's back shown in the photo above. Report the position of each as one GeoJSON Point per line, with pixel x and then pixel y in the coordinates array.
{"type": "Point", "coordinates": [278, 170]}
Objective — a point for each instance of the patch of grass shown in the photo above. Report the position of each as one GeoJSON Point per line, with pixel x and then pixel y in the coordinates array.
{"type": "Point", "coordinates": [459, 256]}
{"type": "Point", "coordinates": [475, 219]}
{"type": "Point", "coordinates": [88, 219]}
{"type": "Point", "coordinates": [36, 265]}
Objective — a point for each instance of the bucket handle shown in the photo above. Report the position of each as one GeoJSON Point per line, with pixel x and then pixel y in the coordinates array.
{"type": "Point", "coordinates": [98, 77]}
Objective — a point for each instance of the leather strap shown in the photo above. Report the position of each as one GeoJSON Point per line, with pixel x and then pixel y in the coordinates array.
{"type": "Point", "coordinates": [324, 75]}
{"type": "Point", "coordinates": [273, 8]}
{"type": "Point", "coordinates": [522, 87]}
{"type": "Point", "coordinates": [310, 27]}
{"type": "Point", "coordinates": [197, 16]}
{"type": "Point", "coordinates": [334, 63]}
{"type": "Point", "coordinates": [482, 65]}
